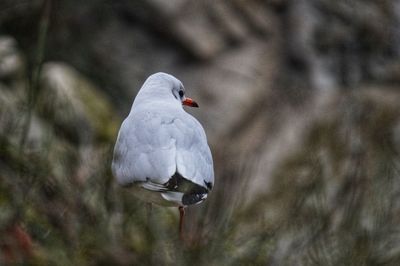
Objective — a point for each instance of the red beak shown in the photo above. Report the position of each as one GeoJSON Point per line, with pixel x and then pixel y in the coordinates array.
{"type": "Point", "coordinates": [189, 102]}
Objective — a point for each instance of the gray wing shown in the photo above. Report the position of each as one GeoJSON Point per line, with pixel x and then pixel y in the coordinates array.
{"type": "Point", "coordinates": [153, 146]}
{"type": "Point", "coordinates": [193, 156]}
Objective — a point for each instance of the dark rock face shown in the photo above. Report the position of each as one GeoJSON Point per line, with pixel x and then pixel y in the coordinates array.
{"type": "Point", "coordinates": [299, 99]}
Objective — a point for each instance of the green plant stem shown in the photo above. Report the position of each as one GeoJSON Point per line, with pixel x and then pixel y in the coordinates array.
{"type": "Point", "coordinates": [33, 84]}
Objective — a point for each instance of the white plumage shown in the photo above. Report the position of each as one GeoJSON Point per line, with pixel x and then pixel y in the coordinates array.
{"type": "Point", "coordinates": [161, 149]}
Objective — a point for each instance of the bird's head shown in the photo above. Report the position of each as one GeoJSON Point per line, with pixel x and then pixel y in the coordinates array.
{"type": "Point", "coordinates": [165, 84]}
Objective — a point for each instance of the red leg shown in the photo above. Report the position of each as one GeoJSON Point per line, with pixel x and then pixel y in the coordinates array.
{"type": "Point", "coordinates": [182, 215]}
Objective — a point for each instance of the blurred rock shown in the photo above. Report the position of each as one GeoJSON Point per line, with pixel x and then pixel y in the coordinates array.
{"type": "Point", "coordinates": [11, 63]}
{"type": "Point", "coordinates": [74, 105]}
{"type": "Point", "coordinates": [11, 9]}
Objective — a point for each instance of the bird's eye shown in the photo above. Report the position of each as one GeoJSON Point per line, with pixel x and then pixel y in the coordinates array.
{"type": "Point", "coordinates": [181, 94]}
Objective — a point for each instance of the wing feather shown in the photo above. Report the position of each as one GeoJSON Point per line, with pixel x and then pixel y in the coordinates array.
{"type": "Point", "coordinates": [153, 146]}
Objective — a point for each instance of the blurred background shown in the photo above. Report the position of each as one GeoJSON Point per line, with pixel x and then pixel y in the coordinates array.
{"type": "Point", "coordinates": [300, 101]}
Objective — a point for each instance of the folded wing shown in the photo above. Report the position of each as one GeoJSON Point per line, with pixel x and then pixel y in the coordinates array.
{"type": "Point", "coordinates": [155, 146]}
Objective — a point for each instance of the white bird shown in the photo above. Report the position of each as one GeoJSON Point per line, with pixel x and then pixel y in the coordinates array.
{"type": "Point", "coordinates": [161, 150]}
